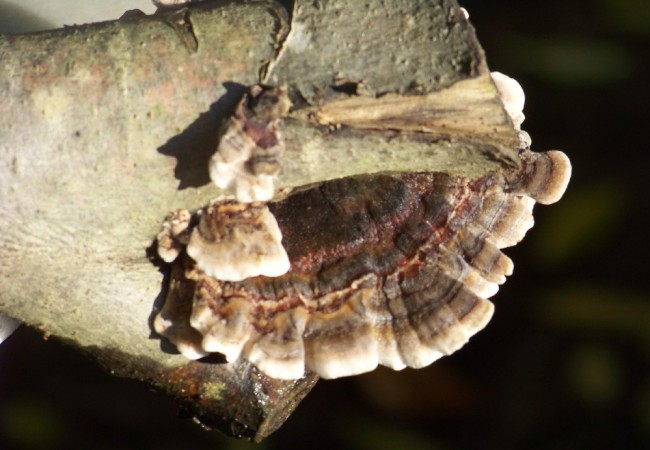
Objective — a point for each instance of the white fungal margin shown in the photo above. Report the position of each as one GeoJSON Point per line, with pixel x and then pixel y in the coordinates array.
{"type": "Point", "coordinates": [234, 241]}
{"type": "Point", "coordinates": [512, 96]}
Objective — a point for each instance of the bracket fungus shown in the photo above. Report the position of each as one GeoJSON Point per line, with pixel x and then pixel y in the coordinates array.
{"type": "Point", "coordinates": [250, 150]}
{"type": "Point", "coordinates": [512, 96]}
{"type": "Point", "coordinates": [385, 269]}
{"type": "Point", "coordinates": [231, 240]}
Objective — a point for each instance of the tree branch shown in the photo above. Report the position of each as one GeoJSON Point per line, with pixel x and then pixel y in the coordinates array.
{"type": "Point", "coordinates": [106, 127]}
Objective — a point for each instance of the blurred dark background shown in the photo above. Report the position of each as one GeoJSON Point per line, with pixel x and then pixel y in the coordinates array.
{"type": "Point", "coordinates": [563, 364]}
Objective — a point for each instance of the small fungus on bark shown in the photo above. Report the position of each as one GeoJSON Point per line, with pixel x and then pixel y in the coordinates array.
{"type": "Point", "coordinates": [251, 148]}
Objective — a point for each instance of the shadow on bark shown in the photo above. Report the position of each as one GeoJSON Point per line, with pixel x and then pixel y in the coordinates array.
{"type": "Point", "coordinates": [193, 147]}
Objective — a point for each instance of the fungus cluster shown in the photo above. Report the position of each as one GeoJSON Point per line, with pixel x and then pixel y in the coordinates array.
{"type": "Point", "coordinates": [237, 238]}
{"type": "Point", "coordinates": [376, 269]}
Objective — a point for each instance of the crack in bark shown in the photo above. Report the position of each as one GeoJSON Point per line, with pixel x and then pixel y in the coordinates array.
{"type": "Point", "coordinates": [181, 23]}
{"type": "Point", "coordinates": [284, 27]}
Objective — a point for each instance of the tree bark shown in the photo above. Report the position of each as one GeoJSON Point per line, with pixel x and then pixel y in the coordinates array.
{"type": "Point", "coordinates": [106, 127]}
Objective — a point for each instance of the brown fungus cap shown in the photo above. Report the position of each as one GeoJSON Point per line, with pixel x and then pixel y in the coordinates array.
{"type": "Point", "coordinates": [390, 270]}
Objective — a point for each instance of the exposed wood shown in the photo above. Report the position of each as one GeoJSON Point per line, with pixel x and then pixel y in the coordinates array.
{"type": "Point", "coordinates": [104, 128]}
